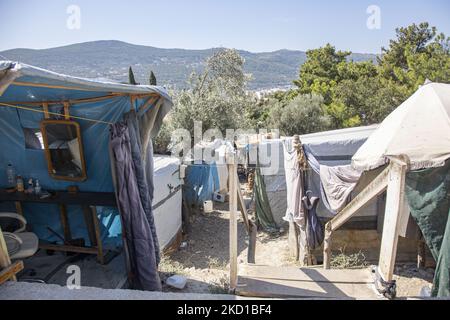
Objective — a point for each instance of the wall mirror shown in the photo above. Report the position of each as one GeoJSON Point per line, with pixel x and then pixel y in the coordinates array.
{"type": "Point", "coordinates": [64, 149]}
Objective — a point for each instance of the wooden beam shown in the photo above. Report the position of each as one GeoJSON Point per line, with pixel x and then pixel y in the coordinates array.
{"type": "Point", "coordinates": [65, 222]}
{"type": "Point", "coordinates": [10, 271]}
{"type": "Point", "coordinates": [66, 110]}
{"type": "Point", "coordinates": [394, 202]}
{"type": "Point", "coordinates": [67, 248]}
{"type": "Point", "coordinates": [45, 108]}
{"type": "Point", "coordinates": [5, 261]}
{"type": "Point", "coordinates": [98, 237]}
{"type": "Point", "coordinates": [232, 169]}
{"type": "Point", "coordinates": [376, 187]}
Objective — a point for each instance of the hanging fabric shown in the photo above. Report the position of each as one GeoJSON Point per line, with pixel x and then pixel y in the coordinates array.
{"type": "Point", "coordinates": [138, 234]}
{"type": "Point", "coordinates": [145, 183]}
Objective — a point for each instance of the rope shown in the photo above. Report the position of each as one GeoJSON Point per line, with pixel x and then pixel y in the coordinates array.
{"type": "Point", "coordinates": [52, 113]}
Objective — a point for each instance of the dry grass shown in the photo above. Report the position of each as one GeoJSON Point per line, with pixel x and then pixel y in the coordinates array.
{"type": "Point", "coordinates": [350, 261]}
{"type": "Point", "coordinates": [171, 267]}
{"type": "Point", "coordinates": [222, 286]}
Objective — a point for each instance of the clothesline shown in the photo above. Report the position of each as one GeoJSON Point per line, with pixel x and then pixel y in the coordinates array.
{"type": "Point", "coordinates": [52, 113]}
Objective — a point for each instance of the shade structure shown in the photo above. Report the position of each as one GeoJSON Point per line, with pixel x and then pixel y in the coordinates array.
{"type": "Point", "coordinates": [418, 128]}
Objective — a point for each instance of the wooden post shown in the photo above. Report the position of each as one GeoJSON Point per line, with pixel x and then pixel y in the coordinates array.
{"type": "Point", "coordinates": [327, 247]}
{"type": "Point", "coordinates": [232, 170]}
{"type": "Point", "coordinates": [394, 202]}
{"type": "Point", "coordinates": [100, 257]}
{"type": "Point", "coordinates": [65, 222]}
{"type": "Point", "coordinates": [5, 261]}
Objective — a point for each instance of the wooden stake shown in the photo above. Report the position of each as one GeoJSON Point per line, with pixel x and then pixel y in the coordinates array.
{"type": "Point", "coordinates": [232, 169]}
{"type": "Point", "coordinates": [394, 202]}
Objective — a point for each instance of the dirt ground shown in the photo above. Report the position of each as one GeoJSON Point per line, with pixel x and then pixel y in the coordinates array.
{"type": "Point", "coordinates": [204, 254]}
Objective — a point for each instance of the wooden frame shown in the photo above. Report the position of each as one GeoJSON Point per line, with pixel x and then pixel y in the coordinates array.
{"type": "Point", "coordinates": [46, 122]}
{"type": "Point", "coordinates": [8, 270]}
{"type": "Point", "coordinates": [391, 179]}
{"type": "Point", "coordinates": [232, 184]}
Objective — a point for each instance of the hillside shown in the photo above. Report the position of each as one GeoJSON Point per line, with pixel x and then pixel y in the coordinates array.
{"type": "Point", "coordinates": [111, 59]}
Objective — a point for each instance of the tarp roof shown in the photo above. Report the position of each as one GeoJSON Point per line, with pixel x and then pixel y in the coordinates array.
{"type": "Point", "coordinates": [418, 128]}
{"type": "Point", "coordinates": [32, 84]}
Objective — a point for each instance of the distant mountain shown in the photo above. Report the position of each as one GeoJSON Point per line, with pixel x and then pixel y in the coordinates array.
{"type": "Point", "coordinates": [111, 59]}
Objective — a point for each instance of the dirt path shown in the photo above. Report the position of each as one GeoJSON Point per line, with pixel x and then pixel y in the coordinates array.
{"type": "Point", "coordinates": [203, 257]}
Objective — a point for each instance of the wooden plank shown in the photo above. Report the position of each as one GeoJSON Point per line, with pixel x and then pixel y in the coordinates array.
{"type": "Point", "coordinates": [394, 203]}
{"type": "Point", "coordinates": [311, 274]}
{"type": "Point", "coordinates": [262, 288]}
{"type": "Point", "coordinates": [66, 110]}
{"type": "Point", "coordinates": [65, 222]}
{"type": "Point", "coordinates": [291, 282]}
{"type": "Point", "coordinates": [242, 206]}
{"type": "Point", "coordinates": [98, 238]}
{"type": "Point", "coordinates": [232, 168]}
{"type": "Point", "coordinates": [251, 251]}
{"type": "Point", "coordinates": [19, 208]}
{"type": "Point", "coordinates": [293, 240]}
{"type": "Point", "coordinates": [66, 248]}
{"type": "Point", "coordinates": [45, 108]}
{"type": "Point", "coordinates": [106, 199]}
{"type": "Point", "coordinates": [9, 273]}
{"type": "Point", "coordinates": [4, 256]}
{"type": "Point", "coordinates": [87, 214]}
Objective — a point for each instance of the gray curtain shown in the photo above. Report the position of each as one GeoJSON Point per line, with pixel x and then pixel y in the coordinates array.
{"type": "Point", "coordinates": [144, 175]}
{"type": "Point", "coordinates": [137, 223]}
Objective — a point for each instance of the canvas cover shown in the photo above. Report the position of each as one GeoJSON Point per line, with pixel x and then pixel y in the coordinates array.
{"type": "Point", "coordinates": [21, 84]}
{"type": "Point", "coordinates": [418, 128]}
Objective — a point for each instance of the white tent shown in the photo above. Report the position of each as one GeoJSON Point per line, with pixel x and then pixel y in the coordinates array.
{"type": "Point", "coordinates": [418, 128]}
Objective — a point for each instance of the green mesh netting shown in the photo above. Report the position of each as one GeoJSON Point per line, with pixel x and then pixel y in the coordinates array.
{"type": "Point", "coordinates": [427, 192]}
{"type": "Point", "coordinates": [264, 217]}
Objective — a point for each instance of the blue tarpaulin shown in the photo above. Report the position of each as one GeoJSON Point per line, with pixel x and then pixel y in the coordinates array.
{"type": "Point", "coordinates": [202, 180]}
{"type": "Point", "coordinates": [25, 86]}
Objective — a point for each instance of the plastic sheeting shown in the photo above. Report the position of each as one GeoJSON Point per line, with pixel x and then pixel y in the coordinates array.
{"type": "Point", "coordinates": [418, 128]}
{"type": "Point", "coordinates": [201, 181]}
{"type": "Point", "coordinates": [427, 194]}
{"type": "Point", "coordinates": [31, 163]}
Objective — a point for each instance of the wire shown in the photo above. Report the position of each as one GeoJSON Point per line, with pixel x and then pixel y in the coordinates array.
{"type": "Point", "coordinates": [52, 113]}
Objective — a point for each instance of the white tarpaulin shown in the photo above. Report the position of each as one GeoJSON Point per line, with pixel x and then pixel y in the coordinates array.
{"type": "Point", "coordinates": [418, 128]}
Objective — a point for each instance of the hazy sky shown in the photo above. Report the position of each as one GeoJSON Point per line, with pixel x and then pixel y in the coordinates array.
{"type": "Point", "coordinates": [253, 25]}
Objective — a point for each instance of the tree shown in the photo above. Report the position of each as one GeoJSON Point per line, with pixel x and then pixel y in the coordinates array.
{"type": "Point", "coordinates": [152, 80]}
{"type": "Point", "coordinates": [303, 114]}
{"type": "Point", "coordinates": [418, 53]}
{"type": "Point", "coordinates": [216, 97]}
{"type": "Point", "coordinates": [320, 72]}
{"type": "Point", "coordinates": [131, 78]}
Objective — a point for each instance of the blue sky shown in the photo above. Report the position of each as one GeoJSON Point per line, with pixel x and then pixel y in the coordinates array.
{"type": "Point", "coordinates": [257, 26]}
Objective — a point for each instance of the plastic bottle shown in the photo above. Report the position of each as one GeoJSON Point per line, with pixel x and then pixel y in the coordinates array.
{"type": "Point", "coordinates": [11, 175]}
{"type": "Point", "coordinates": [37, 187]}
{"type": "Point", "coordinates": [20, 187]}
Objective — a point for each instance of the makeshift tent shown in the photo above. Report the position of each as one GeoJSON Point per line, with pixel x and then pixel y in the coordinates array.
{"type": "Point", "coordinates": [29, 94]}
{"type": "Point", "coordinates": [420, 129]}
{"type": "Point", "coordinates": [204, 178]}
{"type": "Point", "coordinates": [330, 148]}
{"type": "Point", "coordinates": [167, 199]}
